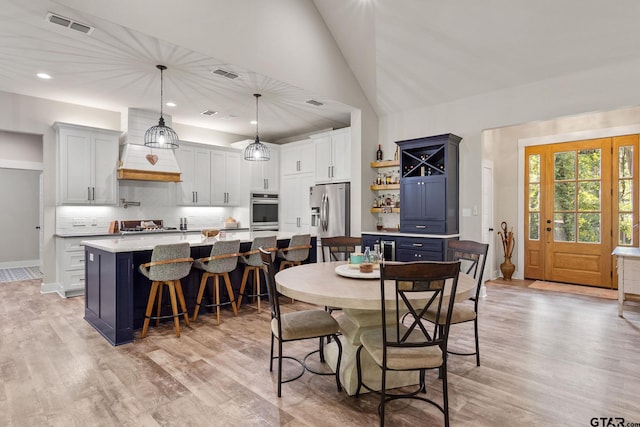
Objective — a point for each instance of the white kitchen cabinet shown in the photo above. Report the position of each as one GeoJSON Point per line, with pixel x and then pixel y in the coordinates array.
{"type": "Point", "coordinates": [295, 212]}
{"type": "Point", "coordinates": [88, 161]}
{"type": "Point", "coordinates": [70, 275]}
{"type": "Point", "coordinates": [226, 174]}
{"type": "Point", "coordinates": [333, 155]}
{"type": "Point", "coordinates": [195, 168]}
{"type": "Point", "coordinates": [297, 158]}
{"type": "Point", "coordinates": [263, 176]}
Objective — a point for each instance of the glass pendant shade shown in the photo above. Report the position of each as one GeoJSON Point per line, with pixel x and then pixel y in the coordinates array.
{"type": "Point", "coordinates": [161, 136]}
{"type": "Point", "coordinates": [257, 151]}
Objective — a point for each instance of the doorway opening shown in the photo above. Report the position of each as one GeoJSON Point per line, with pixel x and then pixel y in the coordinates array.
{"type": "Point", "coordinates": [580, 203]}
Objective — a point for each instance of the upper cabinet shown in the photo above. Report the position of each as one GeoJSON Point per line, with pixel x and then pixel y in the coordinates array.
{"type": "Point", "coordinates": [225, 175]}
{"type": "Point", "coordinates": [429, 184]}
{"type": "Point", "coordinates": [333, 155]}
{"type": "Point", "coordinates": [88, 161]}
{"type": "Point", "coordinates": [195, 168]}
{"type": "Point", "coordinates": [263, 176]}
{"type": "Point", "coordinates": [297, 158]}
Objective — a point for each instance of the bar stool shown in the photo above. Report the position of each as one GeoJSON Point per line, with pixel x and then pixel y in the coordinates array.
{"type": "Point", "coordinates": [223, 259]}
{"type": "Point", "coordinates": [297, 251]}
{"type": "Point", "coordinates": [253, 264]}
{"type": "Point", "coordinates": [169, 264]}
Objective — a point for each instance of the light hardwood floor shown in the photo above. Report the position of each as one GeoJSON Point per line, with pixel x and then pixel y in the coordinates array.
{"type": "Point", "coordinates": [548, 359]}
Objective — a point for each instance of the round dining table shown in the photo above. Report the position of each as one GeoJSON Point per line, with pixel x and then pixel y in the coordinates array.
{"type": "Point", "coordinates": [358, 295]}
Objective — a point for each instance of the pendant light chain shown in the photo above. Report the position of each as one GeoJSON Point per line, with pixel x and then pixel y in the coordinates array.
{"type": "Point", "coordinates": [161, 136]}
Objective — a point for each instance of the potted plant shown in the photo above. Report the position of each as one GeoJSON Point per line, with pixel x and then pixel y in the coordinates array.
{"type": "Point", "coordinates": [507, 267]}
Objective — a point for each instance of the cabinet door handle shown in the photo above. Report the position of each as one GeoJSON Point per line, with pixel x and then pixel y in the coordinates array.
{"type": "Point", "coordinates": [297, 165]}
{"type": "Point", "coordinates": [417, 245]}
{"type": "Point", "coordinates": [421, 226]}
{"type": "Point", "coordinates": [329, 171]}
{"type": "Point", "coordinates": [332, 175]}
{"type": "Point", "coordinates": [93, 193]}
{"type": "Point", "coordinates": [265, 185]}
{"type": "Point", "coordinates": [88, 193]}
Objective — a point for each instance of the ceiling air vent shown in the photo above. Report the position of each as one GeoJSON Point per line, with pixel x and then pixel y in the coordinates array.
{"type": "Point", "coordinates": [209, 113]}
{"type": "Point", "coordinates": [314, 102]}
{"type": "Point", "coordinates": [69, 23]}
{"type": "Point", "coordinates": [224, 73]}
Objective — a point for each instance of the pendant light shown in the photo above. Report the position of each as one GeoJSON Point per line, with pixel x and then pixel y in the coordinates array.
{"type": "Point", "coordinates": [161, 136]}
{"type": "Point", "coordinates": [257, 151]}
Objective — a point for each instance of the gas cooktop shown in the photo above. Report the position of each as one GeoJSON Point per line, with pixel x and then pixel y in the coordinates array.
{"type": "Point", "coordinates": [143, 226]}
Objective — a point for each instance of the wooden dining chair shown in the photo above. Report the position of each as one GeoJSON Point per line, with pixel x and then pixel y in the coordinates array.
{"type": "Point", "coordinates": [297, 325]}
{"type": "Point", "coordinates": [339, 247]}
{"type": "Point", "coordinates": [396, 346]}
{"type": "Point", "coordinates": [473, 256]}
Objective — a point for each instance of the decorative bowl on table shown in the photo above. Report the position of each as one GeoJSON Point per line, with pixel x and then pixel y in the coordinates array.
{"type": "Point", "coordinates": [366, 267]}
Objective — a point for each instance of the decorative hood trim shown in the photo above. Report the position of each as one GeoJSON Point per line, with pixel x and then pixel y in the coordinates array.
{"type": "Point", "coordinates": [141, 163]}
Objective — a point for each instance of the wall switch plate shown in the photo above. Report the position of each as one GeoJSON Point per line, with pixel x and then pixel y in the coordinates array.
{"type": "Point", "coordinates": [466, 212]}
{"type": "Point", "coordinates": [78, 222]}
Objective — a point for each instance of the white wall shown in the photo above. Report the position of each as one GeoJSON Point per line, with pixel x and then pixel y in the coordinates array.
{"type": "Point", "coordinates": [602, 90]}
{"type": "Point", "coordinates": [19, 217]}
{"type": "Point", "coordinates": [20, 168]}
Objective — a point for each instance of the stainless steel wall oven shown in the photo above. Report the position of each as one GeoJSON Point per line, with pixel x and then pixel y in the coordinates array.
{"type": "Point", "coordinates": [264, 211]}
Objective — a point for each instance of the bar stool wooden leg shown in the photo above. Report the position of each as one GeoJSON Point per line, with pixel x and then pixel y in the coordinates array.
{"type": "Point", "coordinates": [159, 308]}
{"type": "Point", "coordinates": [217, 299]}
{"type": "Point", "coordinates": [243, 285]}
{"type": "Point", "coordinates": [203, 283]}
{"type": "Point", "coordinates": [230, 292]}
{"type": "Point", "coordinates": [256, 288]}
{"type": "Point", "coordinates": [183, 303]}
{"type": "Point", "coordinates": [174, 307]}
{"type": "Point", "coordinates": [147, 315]}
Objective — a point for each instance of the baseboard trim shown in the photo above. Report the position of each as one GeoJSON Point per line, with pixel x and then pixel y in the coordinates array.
{"type": "Point", "coordinates": [16, 264]}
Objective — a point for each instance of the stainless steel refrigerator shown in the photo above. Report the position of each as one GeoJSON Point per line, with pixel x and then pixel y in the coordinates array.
{"type": "Point", "coordinates": [330, 209]}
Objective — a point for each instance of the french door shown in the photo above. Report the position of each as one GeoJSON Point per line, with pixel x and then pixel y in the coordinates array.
{"type": "Point", "coordinates": [581, 202]}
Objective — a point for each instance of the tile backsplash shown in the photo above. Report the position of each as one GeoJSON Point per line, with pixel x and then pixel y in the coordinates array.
{"type": "Point", "coordinates": [157, 201]}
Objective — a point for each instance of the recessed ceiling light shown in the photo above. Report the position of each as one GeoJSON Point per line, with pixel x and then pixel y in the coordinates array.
{"type": "Point", "coordinates": [171, 104]}
{"type": "Point", "coordinates": [44, 76]}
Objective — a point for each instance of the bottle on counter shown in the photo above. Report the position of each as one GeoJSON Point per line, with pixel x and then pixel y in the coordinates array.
{"type": "Point", "coordinates": [379, 153]}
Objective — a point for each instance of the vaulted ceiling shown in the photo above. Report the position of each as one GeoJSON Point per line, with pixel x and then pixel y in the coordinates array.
{"type": "Point", "coordinates": [404, 54]}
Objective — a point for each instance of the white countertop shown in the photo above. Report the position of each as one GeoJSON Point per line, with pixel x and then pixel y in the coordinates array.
{"type": "Point", "coordinates": [148, 241]}
{"type": "Point", "coordinates": [115, 235]}
{"type": "Point", "coordinates": [627, 251]}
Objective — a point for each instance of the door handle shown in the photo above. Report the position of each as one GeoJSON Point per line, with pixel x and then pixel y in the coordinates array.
{"type": "Point", "coordinates": [490, 228]}
{"type": "Point", "coordinates": [548, 228]}
{"type": "Point", "coordinates": [548, 221]}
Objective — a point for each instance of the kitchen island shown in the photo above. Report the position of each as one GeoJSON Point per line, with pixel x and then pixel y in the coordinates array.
{"type": "Point", "coordinates": [116, 292]}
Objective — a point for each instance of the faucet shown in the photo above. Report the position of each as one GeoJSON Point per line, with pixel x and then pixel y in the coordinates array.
{"type": "Point", "coordinates": [126, 203]}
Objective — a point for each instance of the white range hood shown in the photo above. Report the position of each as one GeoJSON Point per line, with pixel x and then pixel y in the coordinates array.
{"type": "Point", "coordinates": [142, 163]}
{"type": "Point", "coordinates": [138, 162]}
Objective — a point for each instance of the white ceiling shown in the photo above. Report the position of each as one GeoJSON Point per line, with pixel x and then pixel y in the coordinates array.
{"type": "Point", "coordinates": [405, 54]}
{"type": "Point", "coordinates": [413, 53]}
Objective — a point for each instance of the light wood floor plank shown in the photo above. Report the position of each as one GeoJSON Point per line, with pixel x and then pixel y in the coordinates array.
{"type": "Point", "coordinates": [547, 359]}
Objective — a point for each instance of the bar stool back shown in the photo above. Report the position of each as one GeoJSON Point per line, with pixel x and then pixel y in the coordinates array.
{"type": "Point", "coordinates": [169, 264]}
{"type": "Point", "coordinates": [297, 251]}
{"type": "Point", "coordinates": [223, 259]}
{"type": "Point", "coordinates": [253, 264]}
